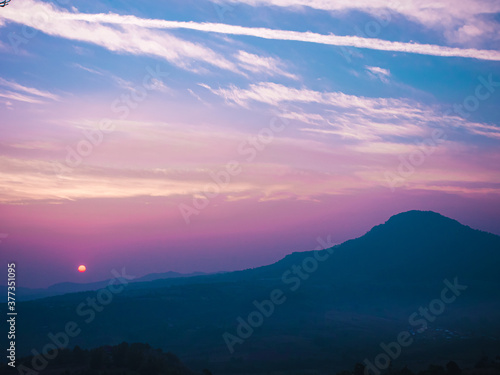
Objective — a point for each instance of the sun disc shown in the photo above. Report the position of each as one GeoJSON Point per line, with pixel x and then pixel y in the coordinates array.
{"type": "Point", "coordinates": [82, 268]}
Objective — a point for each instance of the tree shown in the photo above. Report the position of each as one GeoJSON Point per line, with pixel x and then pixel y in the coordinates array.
{"type": "Point", "coordinates": [96, 359]}
{"type": "Point", "coordinates": [452, 368]}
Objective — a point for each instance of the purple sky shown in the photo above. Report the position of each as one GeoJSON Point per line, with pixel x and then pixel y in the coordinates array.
{"type": "Point", "coordinates": [219, 135]}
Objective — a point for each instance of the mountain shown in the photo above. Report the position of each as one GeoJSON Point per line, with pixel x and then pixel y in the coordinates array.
{"type": "Point", "coordinates": [414, 246]}
{"type": "Point", "coordinates": [28, 294]}
{"type": "Point", "coordinates": [419, 273]}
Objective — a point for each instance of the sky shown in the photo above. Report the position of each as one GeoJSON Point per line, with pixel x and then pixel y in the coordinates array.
{"type": "Point", "coordinates": [215, 135]}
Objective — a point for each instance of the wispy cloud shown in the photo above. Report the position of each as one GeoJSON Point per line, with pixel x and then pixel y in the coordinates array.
{"type": "Point", "coordinates": [123, 83]}
{"type": "Point", "coordinates": [25, 93]}
{"type": "Point", "coordinates": [274, 94]}
{"type": "Point", "coordinates": [459, 21]}
{"type": "Point", "coordinates": [266, 65]}
{"type": "Point", "coordinates": [135, 38]}
{"type": "Point", "coordinates": [354, 117]}
{"type": "Point", "coordinates": [90, 70]}
{"type": "Point", "coordinates": [380, 73]}
{"type": "Point", "coordinates": [132, 39]}
{"type": "Point", "coordinates": [19, 97]}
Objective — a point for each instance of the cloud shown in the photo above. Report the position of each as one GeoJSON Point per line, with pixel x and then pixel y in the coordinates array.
{"type": "Point", "coordinates": [122, 83]}
{"type": "Point", "coordinates": [134, 36]}
{"type": "Point", "coordinates": [258, 64]}
{"type": "Point", "coordinates": [90, 70]}
{"type": "Point", "coordinates": [130, 39]}
{"type": "Point", "coordinates": [460, 21]}
{"type": "Point", "coordinates": [353, 117]}
{"type": "Point", "coordinates": [28, 179]}
{"type": "Point", "coordinates": [380, 73]}
{"type": "Point", "coordinates": [377, 70]}
{"type": "Point", "coordinates": [33, 96]}
{"type": "Point", "coordinates": [339, 144]}
{"type": "Point", "coordinates": [155, 84]}
{"type": "Point", "coordinates": [346, 116]}
{"type": "Point", "coordinates": [275, 94]}
{"type": "Point", "coordinates": [19, 97]}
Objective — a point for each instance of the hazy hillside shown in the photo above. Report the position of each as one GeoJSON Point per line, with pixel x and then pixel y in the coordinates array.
{"type": "Point", "coordinates": [28, 294]}
{"type": "Point", "coordinates": [335, 309]}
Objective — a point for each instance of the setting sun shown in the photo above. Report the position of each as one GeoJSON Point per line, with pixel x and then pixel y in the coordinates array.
{"type": "Point", "coordinates": [82, 268]}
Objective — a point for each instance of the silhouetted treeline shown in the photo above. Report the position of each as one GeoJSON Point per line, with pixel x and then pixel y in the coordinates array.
{"type": "Point", "coordinates": [122, 359]}
{"type": "Point", "coordinates": [484, 366]}
{"type": "Point", "coordinates": [142, 359]}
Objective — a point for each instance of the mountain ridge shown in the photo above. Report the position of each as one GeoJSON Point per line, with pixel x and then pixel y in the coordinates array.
{"type": "Point", "coordinates": [28, 294]}
{"type": "Point", "coordinates": [344, 303]}
{"type": "Point", "coordinates": [421, 227]}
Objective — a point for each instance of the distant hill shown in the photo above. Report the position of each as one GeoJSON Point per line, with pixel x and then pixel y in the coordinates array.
{"type": "Point", "coordinates": [338, 304]}
{"type": "Point", "coordinates": [28, 294]}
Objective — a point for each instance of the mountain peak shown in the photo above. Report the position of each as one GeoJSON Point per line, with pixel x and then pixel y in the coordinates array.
{"type": "Point", "coordinates": [416, 224]}
{"type": "Point", "coordinates": [416, 216]}
{"type": "Point", "coordinates": [421, 219]}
